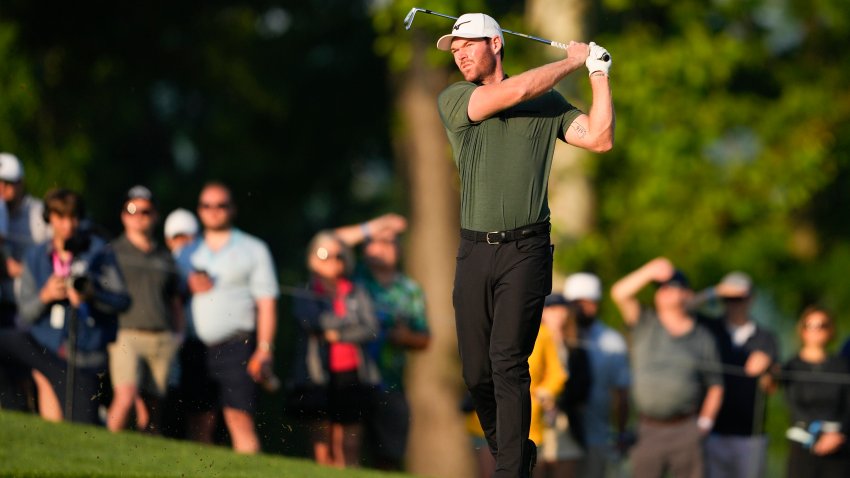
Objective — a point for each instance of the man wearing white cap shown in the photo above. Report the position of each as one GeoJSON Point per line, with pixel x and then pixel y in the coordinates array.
{"type": "Point", "coordinates": [180, 229]}
{"type": "Point", "coordinates": [503, 131]}
{"type": "Point", "coordinates": [27, 228]}
{"type": "Point", "coordinates": [609, 371]}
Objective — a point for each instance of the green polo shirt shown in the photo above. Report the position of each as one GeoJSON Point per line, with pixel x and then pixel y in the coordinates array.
{"type": "Point", "coordinates": [504, 161]}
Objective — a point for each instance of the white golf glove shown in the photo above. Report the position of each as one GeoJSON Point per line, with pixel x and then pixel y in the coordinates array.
{"type": "Point", "coordinates": [598, 60]}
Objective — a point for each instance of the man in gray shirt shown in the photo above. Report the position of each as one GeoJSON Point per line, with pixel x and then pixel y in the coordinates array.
{"type": "Point", "coordinates": [677, 381]}
{"type": "Point", "coordinates": [149, 330]}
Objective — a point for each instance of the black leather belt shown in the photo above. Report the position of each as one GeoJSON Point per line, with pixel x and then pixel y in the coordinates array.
{"type": "Point", "coordinates": [500, 237]}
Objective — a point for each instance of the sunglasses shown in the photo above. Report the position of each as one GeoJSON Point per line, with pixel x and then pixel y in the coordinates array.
{"type": "Point", "coordinates": [132, 210]}
{"type": "Point", "coordinates": [219, 205]}
{"type": "Point", "coordinates": [816, 325]}
{"type": "Point", "coordinates": [324, 255]}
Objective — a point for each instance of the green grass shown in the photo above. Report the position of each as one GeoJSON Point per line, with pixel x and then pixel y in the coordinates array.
{"type": "Point", "coordinates": [31, 447]}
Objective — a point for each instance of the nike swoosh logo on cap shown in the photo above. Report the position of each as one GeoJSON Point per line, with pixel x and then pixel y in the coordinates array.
{"type": "Point", "coordinates": [457, 26]}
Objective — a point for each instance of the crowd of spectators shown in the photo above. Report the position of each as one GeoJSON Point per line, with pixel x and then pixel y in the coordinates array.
{"type": "Point", "coordinates": [114, 330]}
{"type": "Point", "coordinates": [106, 330]}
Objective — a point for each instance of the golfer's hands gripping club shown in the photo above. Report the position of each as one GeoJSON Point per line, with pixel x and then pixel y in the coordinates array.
{"type": "Point", "coordinates": [577, 51]}
{"type": "Point", "coordinates": [598, 59]}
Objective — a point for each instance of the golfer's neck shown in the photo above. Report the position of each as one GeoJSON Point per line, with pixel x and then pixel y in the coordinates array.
{"type": "Point", "coordinates": [497, 76]}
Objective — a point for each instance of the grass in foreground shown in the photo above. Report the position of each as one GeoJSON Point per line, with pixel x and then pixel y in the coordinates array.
{"type": "Point", "coordinates": [31, 447]}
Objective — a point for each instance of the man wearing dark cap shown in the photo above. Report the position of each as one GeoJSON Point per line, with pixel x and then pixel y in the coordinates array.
{"type": "Point", "coordinates": [503, 132]}
{"type": "Point", "coordinates": [149, 330]}
{"type": "Point", "coordinates": [677, 381]}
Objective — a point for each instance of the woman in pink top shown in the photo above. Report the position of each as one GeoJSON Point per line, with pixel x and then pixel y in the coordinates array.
{"type": "Point", "coordinates": [337, 322]}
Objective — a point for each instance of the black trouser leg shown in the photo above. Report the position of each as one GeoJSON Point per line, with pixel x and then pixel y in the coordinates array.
{"type": "Point", "coordinates": [498, 298]}
{"type": "Point", "coordinates": [19, 349]}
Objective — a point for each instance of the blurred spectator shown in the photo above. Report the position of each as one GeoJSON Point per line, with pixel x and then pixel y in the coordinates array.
{"type": "Point", "coordinates": [547, 381]}
{"type": "Point", "coordinates": [333, 370]}
{"type": "Point", "coordinates": [817, 389]}
{"type": "Point", "coordinates": [611, 378]}
{"type": "Point", "coordinates": [400, 308]}
{"type": "Point", "coordinates": [737, 446]}
{"type": "Point", "coordinates": [140, 358]}
{"type": "Point", "coordinates": [72, 279]}
{"type": "Point", "coordinates": [484, 460]}
{"type": "Point", "coordinates": [678, 385]}
{"type": "Point", "coordinates": [25, 229]}
{"type": "Point", "coordinates": [231, 278]}
{"type": "Point", "coordinates": [560, 448]}
{"type": "Point", "coordinates": [181, 228]}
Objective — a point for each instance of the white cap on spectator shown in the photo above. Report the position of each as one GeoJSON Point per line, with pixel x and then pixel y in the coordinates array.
{"type": "Point", "coordinates": [739, 282]}
{"type": "Point", "coordinates": [11, 169]}
{"type": "Point", "coordinates": [180, 221]}
{"type": "Point", "coordinates": [583, 285]}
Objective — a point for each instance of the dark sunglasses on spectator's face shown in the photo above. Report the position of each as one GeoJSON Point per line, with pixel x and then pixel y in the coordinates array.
{"type": "Point", "coordinates": [324, 255]}
{"type": "Point", "coordinates": [816, 325]}
{"type": "Point", "coordinates": [135, 211]}
{"type": "Point", "coordinates": [217, 205]}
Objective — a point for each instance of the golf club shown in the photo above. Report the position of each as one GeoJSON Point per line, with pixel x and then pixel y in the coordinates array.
{"type": "Point", "coordinates": [408, 21]}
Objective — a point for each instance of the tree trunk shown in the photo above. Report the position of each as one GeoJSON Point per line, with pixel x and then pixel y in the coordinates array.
{"type": "Point", "coordinates": [438, 442]}
{"type": "Point", "coordinates": [571, 197]}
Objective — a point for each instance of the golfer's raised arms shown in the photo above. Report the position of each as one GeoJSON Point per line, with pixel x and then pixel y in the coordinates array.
{"type": "Point", "coordinates": [498, 93]}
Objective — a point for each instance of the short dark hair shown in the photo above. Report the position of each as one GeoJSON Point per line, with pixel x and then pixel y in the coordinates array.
{"type": "Point", "coordinates": [63, 202]}
{"type": "Point", "coordinates": [215, 184]}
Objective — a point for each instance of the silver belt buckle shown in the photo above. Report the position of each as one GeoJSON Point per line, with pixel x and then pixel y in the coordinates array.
{"type": "Point", "coordinates": [499, 241]}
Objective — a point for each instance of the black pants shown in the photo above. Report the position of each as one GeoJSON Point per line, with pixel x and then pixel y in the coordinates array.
{"type": "Point", "coordinates": [19, 350]}
{"type": "Point", "coordinates": [802, 463]}
{"type": "Point", "coordinates": [498, 297]}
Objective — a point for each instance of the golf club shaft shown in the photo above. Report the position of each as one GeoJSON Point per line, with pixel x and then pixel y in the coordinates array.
{"type": "Point", "coordinates": [408, 21]}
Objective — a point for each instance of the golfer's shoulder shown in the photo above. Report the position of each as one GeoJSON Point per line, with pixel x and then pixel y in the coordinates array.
{"type": "Point", "coordinates": [555, 100]}
{"type": "Point", "coordinates": [456, 92]}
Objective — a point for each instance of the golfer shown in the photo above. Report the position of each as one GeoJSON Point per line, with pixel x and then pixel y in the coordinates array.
{"type": "Point", "coordinates": [502, 130]}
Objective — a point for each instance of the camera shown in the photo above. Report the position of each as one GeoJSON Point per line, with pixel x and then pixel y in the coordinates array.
{"type": "Point", "coordinates": [79, 278]}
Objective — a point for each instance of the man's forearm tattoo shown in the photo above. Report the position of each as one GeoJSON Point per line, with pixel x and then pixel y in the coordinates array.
{"type": "Point", "coordinates": [580, 130]}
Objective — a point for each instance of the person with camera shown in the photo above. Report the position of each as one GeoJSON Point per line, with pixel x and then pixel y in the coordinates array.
{"type": "Point", "coordinates": [71, 294]}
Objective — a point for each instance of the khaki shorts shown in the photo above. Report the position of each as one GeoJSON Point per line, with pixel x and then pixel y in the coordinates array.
{"type": "Point", "coordinates": [136, 350]}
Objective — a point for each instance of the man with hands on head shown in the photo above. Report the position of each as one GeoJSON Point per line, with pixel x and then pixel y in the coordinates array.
{"type": "Point", "coordinates": [677, 382]}
{"type": "Point", "coordinates": [503, 131]}
{"type": "Point", "coordinates": [400, 307]}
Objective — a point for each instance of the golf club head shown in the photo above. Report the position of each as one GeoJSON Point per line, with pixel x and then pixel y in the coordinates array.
{"type": "Point", "coordinates": [408, 20]}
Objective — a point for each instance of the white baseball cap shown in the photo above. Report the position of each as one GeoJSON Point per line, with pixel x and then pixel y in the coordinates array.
{"type": "Point", "coordinates": [583, 285]}
{"type": "Point", "coordinates": [180, 221]}
{"type": "Point", "coordinates": [740, 281]}
{"type": "Point", "coordinates": [471, 25]}
{"type": "Point", "coordinates": [11, 169]}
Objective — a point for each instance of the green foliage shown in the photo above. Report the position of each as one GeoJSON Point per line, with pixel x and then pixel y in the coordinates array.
{"type": "Point", "coordinates": [51, 155]}
{"type": "Point", "coordinates": [731, 149]}
{"type": "Point", "coordinates": [283, 101]}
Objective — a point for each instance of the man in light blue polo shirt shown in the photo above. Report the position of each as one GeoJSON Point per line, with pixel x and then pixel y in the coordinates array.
{"type": "Point", "coordinates": [231, 278]}
{"type": "Point", "coordinates": [610, 376]}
